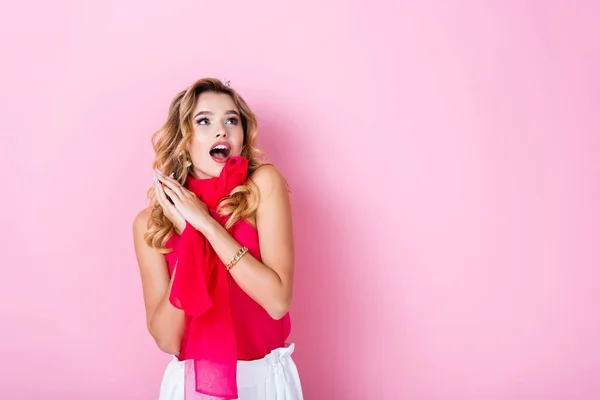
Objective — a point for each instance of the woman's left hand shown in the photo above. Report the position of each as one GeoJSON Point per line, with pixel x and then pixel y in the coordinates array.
{"type": "Point", "coordinates": [187, 203]}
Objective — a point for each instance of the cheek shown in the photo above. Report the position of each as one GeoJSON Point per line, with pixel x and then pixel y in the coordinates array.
{"type": "Point", "coordinates": [198, 145]}
{"type": "Point", "coordinates": [238, 138]}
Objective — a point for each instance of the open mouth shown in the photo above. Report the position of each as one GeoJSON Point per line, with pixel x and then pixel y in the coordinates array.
{"type": "Point", "coordinates": [220, 152]}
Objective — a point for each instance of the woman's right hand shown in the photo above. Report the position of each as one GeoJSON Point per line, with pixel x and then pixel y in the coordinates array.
{"type": "Point", "coordinates": [169, 209]}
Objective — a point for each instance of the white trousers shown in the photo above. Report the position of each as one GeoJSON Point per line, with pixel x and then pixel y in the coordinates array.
{"type": "Point", "coordinates": [274, 377]}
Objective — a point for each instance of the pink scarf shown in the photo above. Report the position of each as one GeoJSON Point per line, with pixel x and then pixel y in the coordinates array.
{"type": "Point", "coordinates": [201, 289]}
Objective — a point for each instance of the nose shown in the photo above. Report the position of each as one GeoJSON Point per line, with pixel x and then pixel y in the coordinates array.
{"type": "Point", "coordinates": [221, 131]}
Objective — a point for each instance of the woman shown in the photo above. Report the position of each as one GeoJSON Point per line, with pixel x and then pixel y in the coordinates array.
{"type": "Point", "coordinates": [216, 297]}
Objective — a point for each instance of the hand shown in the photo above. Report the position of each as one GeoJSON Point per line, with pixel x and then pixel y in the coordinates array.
{"type": "Point", "coordinates": [168, 208]}
{"type": "Point", "coordinates": [186, 203]}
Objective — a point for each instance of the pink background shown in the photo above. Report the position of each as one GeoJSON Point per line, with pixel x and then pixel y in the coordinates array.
{"type": "Point", "coordinates": [443, 158]}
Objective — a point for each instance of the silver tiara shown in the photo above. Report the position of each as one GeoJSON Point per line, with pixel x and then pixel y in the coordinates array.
{"type": "Point", "coordinates": [225, 82]}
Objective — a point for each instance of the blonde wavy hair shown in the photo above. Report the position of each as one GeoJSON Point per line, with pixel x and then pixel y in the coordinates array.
{"type": "Point", "coordinates": [169, 144]}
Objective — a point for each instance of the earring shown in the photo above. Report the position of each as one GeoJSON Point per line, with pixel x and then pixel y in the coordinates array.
{"type": "Point", "coordinates": [187, 163]}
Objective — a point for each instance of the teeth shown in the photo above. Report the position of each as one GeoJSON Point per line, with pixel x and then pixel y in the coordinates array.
{"type": "Point", "coordinates": [220, 147]}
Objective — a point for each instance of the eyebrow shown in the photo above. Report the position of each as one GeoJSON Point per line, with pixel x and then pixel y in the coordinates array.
{"type": "Point", "coordinates": [228, 112]}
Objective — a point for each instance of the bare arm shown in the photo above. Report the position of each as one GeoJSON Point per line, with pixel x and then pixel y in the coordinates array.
{"type": "Point", "coordinates": [269, 282]}
{"type": "Point", "coordinates": [165, 322]}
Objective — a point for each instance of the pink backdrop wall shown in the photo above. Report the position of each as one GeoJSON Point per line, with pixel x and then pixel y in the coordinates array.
{"type": "Point", "coordinates": [444, 166]}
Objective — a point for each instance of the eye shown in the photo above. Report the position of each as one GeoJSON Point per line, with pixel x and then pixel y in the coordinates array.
{"type": "Point", "coordinates": [232, 121]}
{"type": "Point", "coordinates": [202, 121]}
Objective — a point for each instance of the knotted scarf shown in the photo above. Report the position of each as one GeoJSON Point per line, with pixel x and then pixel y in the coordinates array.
{"type": "Point", "coordinates": [201, 289]}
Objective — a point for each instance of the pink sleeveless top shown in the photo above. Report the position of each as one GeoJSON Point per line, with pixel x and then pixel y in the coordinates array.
{"type": "Point", "coordinates": [257, 334]}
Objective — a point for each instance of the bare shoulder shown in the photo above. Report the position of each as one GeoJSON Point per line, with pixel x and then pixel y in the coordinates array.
{"type": "Point", "coordinates": [270, 182]}
{"type": "Point", "coordinates": [140, 222]}
{"type": "Point", "coordinates": [148, 257]}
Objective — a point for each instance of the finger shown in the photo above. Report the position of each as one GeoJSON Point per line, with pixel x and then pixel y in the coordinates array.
{"type": "Point", "coordinates": [162, 198]}
{"type": "Point", "coordinates": [176, 186]}
{"type": "Point", "coordinates": [163, 177]}
{"type": "Point", "coordinates": [158, 194]}
{"type": "Point", "coordinates": [176, 200]}
{"type": "Point", "coordinates": [170, 183]}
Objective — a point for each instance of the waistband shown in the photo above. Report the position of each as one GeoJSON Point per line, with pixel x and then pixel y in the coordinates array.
{"type": "Point", "coordinates": [276, 356]}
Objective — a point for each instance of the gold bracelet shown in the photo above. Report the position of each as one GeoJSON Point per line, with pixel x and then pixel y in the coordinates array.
{"type": "Point", "coordinates": [241, 253]}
